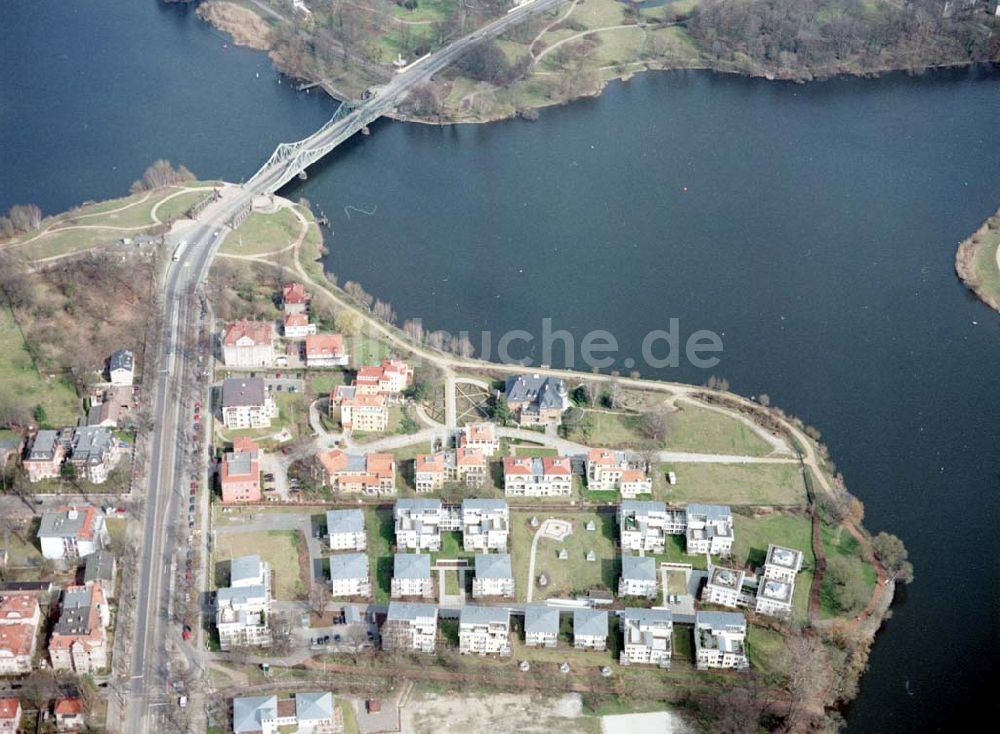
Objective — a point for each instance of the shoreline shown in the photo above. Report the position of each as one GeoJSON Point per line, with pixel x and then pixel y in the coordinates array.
{"type": "Point", "coordinates": [977, 262]}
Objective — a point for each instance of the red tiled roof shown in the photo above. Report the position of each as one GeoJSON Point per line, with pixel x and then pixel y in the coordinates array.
{"type": "Point", "coordinates": [429, 463]}
{"type": "Point", "coordinates": [556, 465]}
{"type": "Point", "coordinates": [382, 465]}
{"type": "Point", "coordinates": [333, 460]}
{"type": "Point", "coordinates": [296, 319]}
{"type": "Point", "coordinates": [86, 531]}
{"type": "Point", "coordinates": [9, 708]}
{"type": "Point", "coordinates": [17, 607]}
{"type": "Point", "coordinates": [517, 465]}
{"type": "Point", "coordinates": [17, 638]}
{"type": "Point", "coordinates": [294, 293]}
{"type": "Point", "coordinates": [68, 706]}
{"type": "Point", "coordinates": [470, 457]}
{"type": "Point", "coordinates": [259, 332]}
{"type": "Point", "coordinates": [324, 345]}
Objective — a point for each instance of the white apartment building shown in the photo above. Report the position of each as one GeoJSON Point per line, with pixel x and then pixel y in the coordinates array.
{"type": "Point", "coordinates": [349, 575]}
{"type": "Point", "coordinates": [418, 524]}
{"type": "Point", "coordinates": [782, 564]}
{"type": "Point", "coordinates": [484, 630]}
{"type": "Point", "coordinates": [724, 586]}
{"type": "Point", "coordinates": [537, 476]}
{"type": "Point", "coordinates": [482, 436]}
{"type": "Point", "coordinates": [346, 530]}
{"type": "Point", "coordinates": [709, 529]}
{"type": "Point", "coordinates": [246, 403]}
{"type": "Point", "coordinates": [20, 616]}
{"type": "Point", "coordinates": [647, 636]}
{"type": "Point", "coordinates": [590, 629]}
{"type": "Point", "coordinates": [243, 609]}
{"type": "Point", "coordinates": [72, 531]}
{"type": "Point", "coordinates": [720, 640]}
{"type": "Point", "coordinates": [610, 469]}
{"type": "Point", "coordinates": [645, 524]}
{"type": "Point", "coordinates": [79, 639]}
{"type": "Point", "coordinates": [485, 524]}
{"type": "Point", "coordinates": [494, 576]}
{"type": "Point", "coordinates": [411, 575]}
{"type": "Point", "coordinates": [410, 626]}
{"type": "Point", "coordinates": [541, 625]}
{"type": "Point", "coordinates": [638, 577]}
{"type": "Point", "coordinates": [248, 344]}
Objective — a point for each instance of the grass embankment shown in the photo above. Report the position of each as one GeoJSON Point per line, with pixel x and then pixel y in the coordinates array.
{"type": "Point", "coordinates": [976, 262]}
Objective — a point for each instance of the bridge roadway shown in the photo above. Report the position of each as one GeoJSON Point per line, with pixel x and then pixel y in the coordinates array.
{"type": "Point", "coordinates": [163, 522]}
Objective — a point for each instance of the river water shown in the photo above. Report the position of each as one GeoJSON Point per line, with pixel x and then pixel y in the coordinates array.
{"type": "Point", "coordinates": [811, 227]}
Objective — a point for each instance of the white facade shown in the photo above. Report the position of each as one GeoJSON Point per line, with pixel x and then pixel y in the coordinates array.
{"type": "Point", "coordinates": [723, 586]}
{"type": "Point", "coordinates": [647, 637]}
{"type": "Point", "coordinates": [410, 627]}
{"type": "Point", "coordinates": [349, 575]}
{"type": "Point", "coordinates": [346, 530]}
{"type": "Point", "coordinates": [243, 609]}
{"type": "Point", "coordinates": [537, 476]}
{"type": "Point", "coordinates": [418, 524]}
{"type": "Point", "coordinates": [709, 529]}
{"type": "Point", "coordinates": [484, 631]}
{"type": "Point", "coordinates": [720, 640]}
{"type": "Point", "coordinates": [485, 525]}
{"type": "Point", "coordinates": [645, 525]}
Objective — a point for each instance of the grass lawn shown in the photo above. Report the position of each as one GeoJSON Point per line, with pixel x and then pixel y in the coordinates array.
{"type": "Point", "coordinates": [765, 648]}
{"type": "Point", "coordinates": [350, 719]}
{"type": "Point", "coordinates": [576, 573]}
{"type": "Point", "coordinates": [263, 233]}
{"type": "Point", "coordinates": [984, 263]}
{"type": "Point", "coordinates": [683, 644]}
{"type": "Point", "coordinates": [792, 530]}
{"type": "Point", "coordinates": [178, 206]}
{"type": "Point", "coordinates": [451, 547]}
{"type": "Point", "coordinates": [451, 583]}
{"type": "Point", "coordinates": [674, 553]}
{"type": "Point", "coordinates": [839, 543]}
{"type": "Point", "coordinates": [21, 385]}
{"type": "Point", "coordinates": [599, 428]}
{"type": "Point", "coordinates": [709, 432]}
{"type": "Point", "coordinates": [277, 547]}
{"type": "Point", "coordinates": [535, 451]}
{"type": "Point", "coordinates": [381, 536]}
{"type": "Point", "coordinates": [736, 484]}
{"type": "Point", "coordinates": [320, 385]}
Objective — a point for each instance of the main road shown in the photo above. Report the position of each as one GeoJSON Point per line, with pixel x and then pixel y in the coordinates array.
{"type": "Point", "coordinates": [164, 512]}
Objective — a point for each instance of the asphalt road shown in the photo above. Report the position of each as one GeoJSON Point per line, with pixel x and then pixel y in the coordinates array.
{"type": "Point", "coordinates": [170, 439]}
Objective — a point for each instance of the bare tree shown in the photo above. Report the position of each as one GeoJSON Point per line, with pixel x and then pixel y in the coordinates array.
{"type": "Point", "coordinates": [319, 595]}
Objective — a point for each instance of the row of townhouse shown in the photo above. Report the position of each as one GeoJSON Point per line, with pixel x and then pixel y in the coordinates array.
{"type": "Point", "coordinates": [312, 712]}
{"type": "Point", "coordinates": [243, 609]}
{"type": "Point", "coordinates": [419, 522]}
{"type": "Point", "coordinates": [537, 476]}
{"type": "Point", "coordinates": [644, 526]}
{"type": "Point", "coordinates": [647, 634]}
{"type": "Point", "coordinates": [769, 592]}
{"type": "Point", "coordinates": [93, 451]}
{"type": "Point", "coordinates": [412, 576]}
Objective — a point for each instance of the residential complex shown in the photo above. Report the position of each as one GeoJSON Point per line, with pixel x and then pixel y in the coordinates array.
{"type": "Point", "coordinates": [720, 640]}
{"type": "Point", "coordinates": [243, 609]}
{"type": "Point", "coordinates": [484, 630]}
{"type": "Point", "coordinates": [494, 576]}
{"type": "Point", "coordinates": [346, 530]}
{"type": "Point", "coordinates": [239, 475]}
{"type": "Point", "coordinates": [537, 476]}
{"type": "Point", "coordinates": [432, 471]}
{"type": "Point", "coordinates": [418, 523]}
{"type": "Point", "coordinates": [72, 531]}
{"type": "Point", "coordinates": [411, 575]}
{"type": "Point", "coordinates": [78, 642]}
{"type": "Point", "coordinates": [485, 525]}
{"type": "Point", "coordinates": [248, 344]}
{"type": "Point", "coordinates": [94, 453]}
{"type": "Point", "coordinates": [410, 626]}
{"type": "Point", "coordinates": [644, 525]}
{"type": "Point", "coordinates": [19, 619]}
{"type": "Point", "coordinates": [724, 586]}
{"type": "Point", "coordinates": [536, 400]}
{"type": "Point", "coordinates": [371, 474]}
{"type": "Point", "coordinates": [365, 413]}
{"type": "Point", "coordinates": [389, 378]}
{"type": "Point", "coordinates": [647, 636]}
{"type": "Point", "coordinates": [246, 403]}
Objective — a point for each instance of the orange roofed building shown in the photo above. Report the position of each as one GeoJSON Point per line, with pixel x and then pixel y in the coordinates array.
{"type": "Point", "coordinates": [369, 413]}
{"type": "Point", "coordinates": [325, 350]}
{"type": "Point", "coordinates": [248, 344]}
{"type": "Point", "coordinates": [10, 715]}
{"type": "Point", "coordinates": [294, 298]}
{"type": "Point", "coordinates": [611, 469]}
{"type": "Point", "coordinates": [19, 620]}
{"type": "Point", "coordinates": [389, 378]}
{"type": "Point", "coordinates": [371, 474]}
{"type": "Point", "coordinates": [69, 714]}
{"type": "Point", "coordinates": [482, 436]}
{"type": "Point", "coordinates": [79, 641]}
{"type": "Point", "coordinates": [537, 476]}
{"type": "Point", "coordinates": [297, 326]}
{"type": "Point", "coordinates": [239, 477]}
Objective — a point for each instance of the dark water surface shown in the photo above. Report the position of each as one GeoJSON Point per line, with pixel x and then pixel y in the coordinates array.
{"type": "Point", "coordinates": [816, 236]}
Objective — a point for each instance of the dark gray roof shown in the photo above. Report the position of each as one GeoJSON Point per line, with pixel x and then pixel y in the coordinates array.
{"type": "Point", "coordinates": [590, 623]}
{"type": "Point", "coordinates": [348, 566]}
{"type": "Point", "coordinates": [123, 359]}
{"type": "Point", "coordinates": [472, 614]}
{"type": "Point", "coordinates": [641, 568]}
{"type": "Point", "coordinates": [411, 566]}
{"type": "Point", "coordinates": [91, 444]}
{"type": "Point", "coordinates": [649, 616]}
{"type": "Point", "coordinates": [542, 392]}
{"type": "Point", "coordinates": [43, 448]}
{"type": "Point", "coordinates": [74, 618]}
{"type": "Point", "coordinates": [709, 512]}
{"type": "Point", "coordinates": [493, 566]}
{"type": "Point", "coordinates": [62, 524]}
{"type": "Point", "coordinates": [641, 507]}
{"type": "Point", "coordinates": [411, 505]}
{"type": "Point", "coordinates": [345, 521]}
{"type": "Point", "coordinates": [100, 567]}
{"type": "Point", "coordinates": [539, 618]}
{"type": "Point", "coordinates": [242, 391]}
{"type": "Point", "coordinates": [244, 568]}
{"type": "Point", "coordinates": [720, 620]}
{"type": "Point", "coordinates": [484, 505]}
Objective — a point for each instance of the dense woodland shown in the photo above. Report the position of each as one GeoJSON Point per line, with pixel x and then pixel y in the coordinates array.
{"type": "Point", "coordinates": [806, 38]}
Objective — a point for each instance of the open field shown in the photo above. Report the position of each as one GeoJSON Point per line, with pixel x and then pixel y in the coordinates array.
{"type": "Point", "coordinates": [277, 547]}
{"type": "Point", "coordinates": [576, 573]}
{"type": "Point", "coordinates": [735, 484]}
{"type": "Point", "coordinates": [710, 432]}
{"type": "Point", "coordinates": [21, 383]}
{"type": "Point", "coordinates": [263, 233]}
{"type": "Point", "coordinates": [381, 538]}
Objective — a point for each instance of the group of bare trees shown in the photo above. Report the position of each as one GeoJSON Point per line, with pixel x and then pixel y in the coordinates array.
{"type": "Point", "coordinates": [19, 219]}
{"type": "Point", "coordinates": [161, 173]}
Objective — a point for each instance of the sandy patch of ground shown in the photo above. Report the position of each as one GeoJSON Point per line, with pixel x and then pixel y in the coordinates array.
{"type": "Point", "coordinates": [524, 714]}
{"type": "Point", "coordinates": [245, 26]}
{"type": "Point", "coordinates": [657, 722]}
